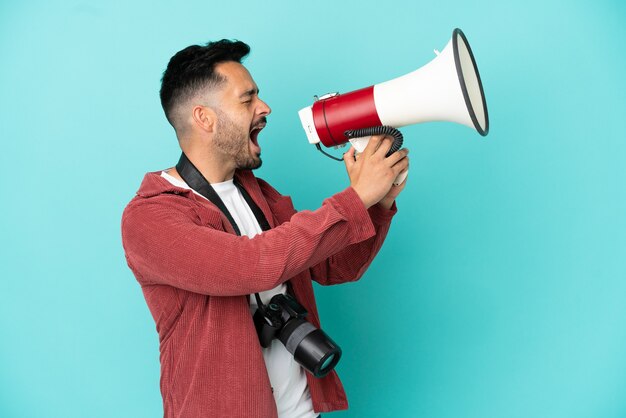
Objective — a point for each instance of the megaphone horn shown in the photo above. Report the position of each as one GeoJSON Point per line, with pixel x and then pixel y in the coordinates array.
{"type": "Point", "coordinates": [448, 88]}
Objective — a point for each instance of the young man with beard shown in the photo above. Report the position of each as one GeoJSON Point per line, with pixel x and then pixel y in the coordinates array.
{"type": "Point", "coordinates": [199, 270]}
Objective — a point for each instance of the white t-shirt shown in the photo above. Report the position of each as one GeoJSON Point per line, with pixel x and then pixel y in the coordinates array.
{"type": "Point", "coordinates": [288, 379]}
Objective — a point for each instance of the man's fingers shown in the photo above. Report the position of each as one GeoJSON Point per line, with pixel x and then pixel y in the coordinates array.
{"type": "Point", "coordinates": [385, 145]}
{"type": "Point", "coordinates": [401, 165]}
{"type": "Point", "coordinates": [397, 156]}
{"type": "Point", "coordinates": [372, 145]}
{"type": "Point", "coordinates": [348, 158]}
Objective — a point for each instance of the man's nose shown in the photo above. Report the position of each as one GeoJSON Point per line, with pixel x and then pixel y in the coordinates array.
{"type": "Point", "coordinates": [264, 109]}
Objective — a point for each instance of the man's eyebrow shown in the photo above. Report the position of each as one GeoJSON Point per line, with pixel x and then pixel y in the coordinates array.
{"type": "Point", "coordinates": [250, 92]}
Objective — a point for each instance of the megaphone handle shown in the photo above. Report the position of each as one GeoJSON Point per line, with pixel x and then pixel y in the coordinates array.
{"type": "Point", "coordinates": [400, 179]}
{"type": "Point", "coordinates": [377, 130]}
{"type": "Point", "coordinates": [360, 143]}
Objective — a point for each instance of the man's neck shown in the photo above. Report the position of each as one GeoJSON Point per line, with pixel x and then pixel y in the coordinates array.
{"type": "Point", "coordinates": [213, 171]}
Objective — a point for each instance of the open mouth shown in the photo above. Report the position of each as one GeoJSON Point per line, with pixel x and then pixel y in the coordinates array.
{"type": "Point", "coordinates": [254, 133]}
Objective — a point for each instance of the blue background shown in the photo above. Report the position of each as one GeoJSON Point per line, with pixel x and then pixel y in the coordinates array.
{"type": "Point", "coordinates": [501, 289]}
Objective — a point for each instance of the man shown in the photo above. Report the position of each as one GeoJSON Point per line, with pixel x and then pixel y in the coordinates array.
{"type": "Point", "coordinates": [198, 275]}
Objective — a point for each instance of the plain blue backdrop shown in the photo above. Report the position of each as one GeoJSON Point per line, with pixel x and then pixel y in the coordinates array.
{"type": "Point", "coordinates": [501, 289]}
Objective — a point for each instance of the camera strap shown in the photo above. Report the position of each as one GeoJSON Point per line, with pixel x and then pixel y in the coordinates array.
{"type": "Point", "coordinates": [197, 182]}
{"type": "Point", "coordinates": [194, 179]}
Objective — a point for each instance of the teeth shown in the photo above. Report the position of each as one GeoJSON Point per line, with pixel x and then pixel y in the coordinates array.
{"type": "Point", "coordinates": [256, 130]}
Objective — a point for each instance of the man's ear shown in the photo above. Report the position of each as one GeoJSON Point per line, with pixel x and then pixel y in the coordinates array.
{"type": "Point", "coordinates": [204, 118]}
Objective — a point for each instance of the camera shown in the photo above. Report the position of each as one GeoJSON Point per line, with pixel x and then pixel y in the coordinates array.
{"type": "Point", "coordinates": [284, 318]}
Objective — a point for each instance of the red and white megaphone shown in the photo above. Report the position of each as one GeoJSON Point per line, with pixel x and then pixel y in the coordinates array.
{"type": "Point", "coordinates": [446, 89]}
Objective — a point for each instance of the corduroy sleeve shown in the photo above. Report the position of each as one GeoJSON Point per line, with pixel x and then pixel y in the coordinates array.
{"type": "Point", "coordinates": [164, 245]}
{"type": "Point", "coordinates": [350, 263]}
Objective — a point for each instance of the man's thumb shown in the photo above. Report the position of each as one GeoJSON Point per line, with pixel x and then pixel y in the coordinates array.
{"type": "Point", "coordinates": [348, 158]}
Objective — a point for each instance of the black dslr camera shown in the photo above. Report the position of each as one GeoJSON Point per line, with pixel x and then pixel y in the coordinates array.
{"type": "Point", "coordinates": [284, 318]}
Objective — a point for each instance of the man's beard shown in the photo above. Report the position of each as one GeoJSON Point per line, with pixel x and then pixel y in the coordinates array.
{"type": "Point", "coordinates": [234, 141]}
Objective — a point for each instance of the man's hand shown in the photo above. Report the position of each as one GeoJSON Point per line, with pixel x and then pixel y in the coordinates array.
{"type": "Point", "coordinates": [388, 200]}
{"type": "Point", "coordinates": [372, 174]}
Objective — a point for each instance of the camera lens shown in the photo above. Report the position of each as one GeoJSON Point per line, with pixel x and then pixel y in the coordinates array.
{"type": "Point", "coordinates": [310, 346]}
{"type": "Point", "coordinates": [327, 362]}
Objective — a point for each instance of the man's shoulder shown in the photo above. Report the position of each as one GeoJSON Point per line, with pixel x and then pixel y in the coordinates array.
{"type": "Point", "coordinates": [267, 189]}
{"type": "Point", "coordinates": [154, 184]}
{"type": "Point", "coordinates": [156, 191]}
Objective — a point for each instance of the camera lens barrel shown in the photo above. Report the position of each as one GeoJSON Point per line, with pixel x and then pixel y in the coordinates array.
{"type": "Point", "coordinates": [310, 346]}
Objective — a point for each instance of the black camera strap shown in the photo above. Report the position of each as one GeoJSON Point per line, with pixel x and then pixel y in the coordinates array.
{"type": "Point", "coordinates": [194, 179]}
{"type": "Point", "coordinates": [197, 182]}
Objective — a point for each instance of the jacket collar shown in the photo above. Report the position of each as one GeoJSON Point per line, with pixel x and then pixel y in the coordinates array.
{"type": "Point", "coordinates": [153, 184]}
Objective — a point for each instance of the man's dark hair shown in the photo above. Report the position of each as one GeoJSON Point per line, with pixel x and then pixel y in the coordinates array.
{"type": "Point", "coordinates": [193, 68]}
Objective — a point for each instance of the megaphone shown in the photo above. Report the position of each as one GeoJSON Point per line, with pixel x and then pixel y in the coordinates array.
{"type": "Point", "coordinates": [448, 88]}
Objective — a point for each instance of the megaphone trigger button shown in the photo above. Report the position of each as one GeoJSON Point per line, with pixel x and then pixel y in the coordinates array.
{"type": "Point", "coordinates": [328, 95]}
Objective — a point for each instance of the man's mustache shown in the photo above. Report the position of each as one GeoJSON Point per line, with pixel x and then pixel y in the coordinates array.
{"type": "Point", "coordinates": [261, 121]}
